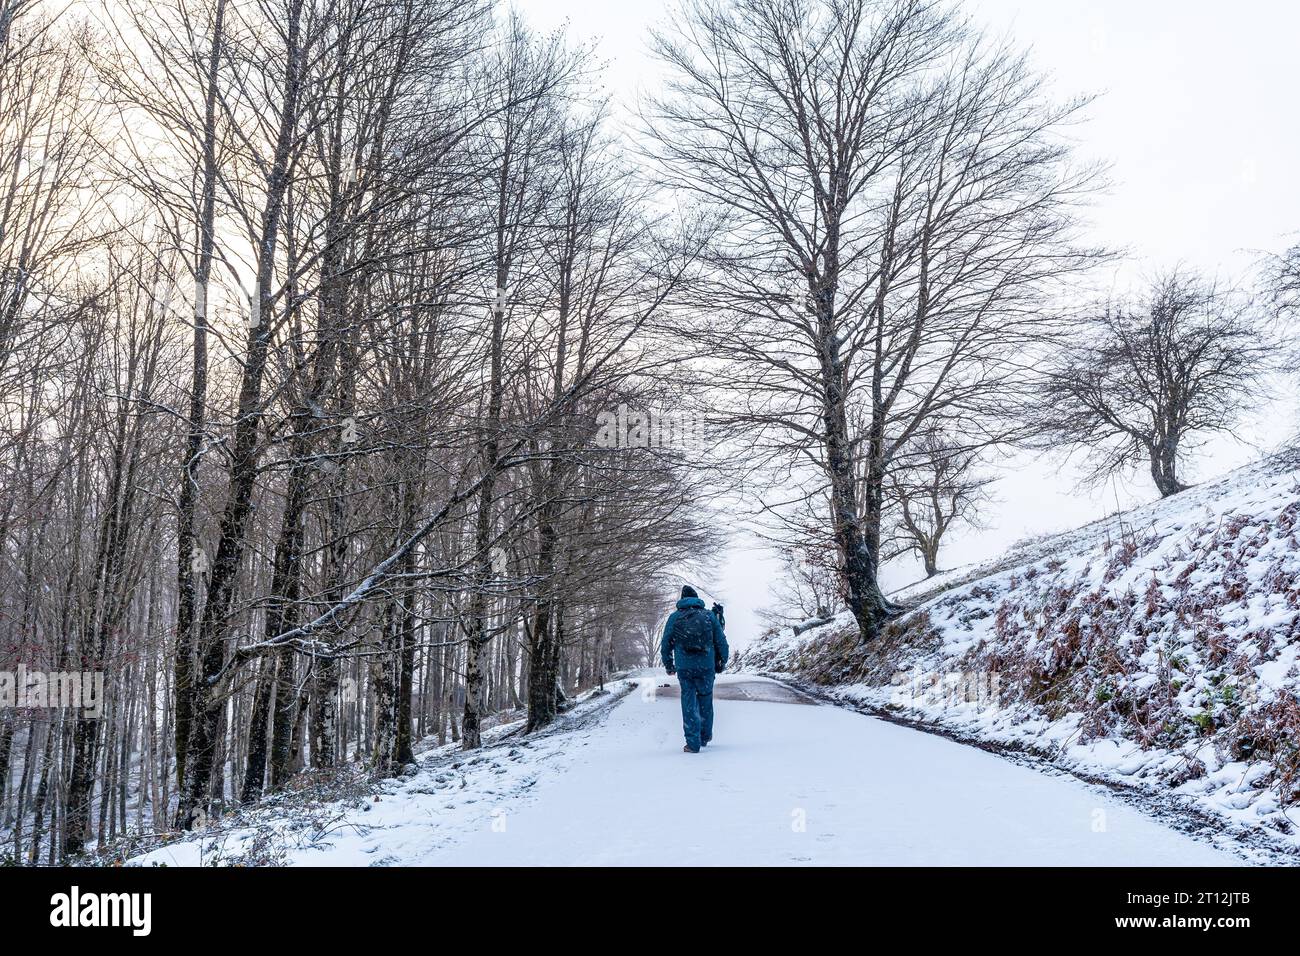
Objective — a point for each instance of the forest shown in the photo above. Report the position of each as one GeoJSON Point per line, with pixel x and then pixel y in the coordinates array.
{"type": "Point", "coordinates": [369, 374]}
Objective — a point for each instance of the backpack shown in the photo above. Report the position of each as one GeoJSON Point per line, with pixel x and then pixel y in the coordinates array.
{"type": "Point", "coordinates": [693, 630]}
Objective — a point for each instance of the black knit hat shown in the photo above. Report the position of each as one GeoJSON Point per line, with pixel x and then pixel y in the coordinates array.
{"type": "Point", "coordinates": [688, 591]}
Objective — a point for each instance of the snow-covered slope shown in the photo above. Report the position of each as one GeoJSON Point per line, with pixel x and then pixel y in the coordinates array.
{"type": "Point", "coordinates": [1157, 648]}
{"type": "Point", "coordinates": [350, 819]}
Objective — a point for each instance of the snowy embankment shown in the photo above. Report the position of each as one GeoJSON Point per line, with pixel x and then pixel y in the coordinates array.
{"type": "Point", "coordinates": [1156, 649]}
{"type": "Point", "coordinates": [350, 819]}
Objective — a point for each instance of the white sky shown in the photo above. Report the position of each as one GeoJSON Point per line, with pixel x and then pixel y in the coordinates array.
{"type": "Point", "coordinates": [1197, 116]}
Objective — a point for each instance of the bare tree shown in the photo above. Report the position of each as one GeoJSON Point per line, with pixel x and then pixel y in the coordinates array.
{"type": "Point", "coordinates": [1141, 382]}
{"type": "Point", "coordinates": [129, 323]}
{"type": "Point", "coordinates": [48, 130]}
{"type": "Point", "coordinates": [169, 66]}
{"type": "Point", "coordinates": [893, 201]}
{"type": "Point", "coordinates": [530, 74]}
{"type": "Point", "coordinates": [1282, 286]}
{"type": "Point", "coordinates": [1284, 281]}
{"type": "Point", "coordinates": [808, 588]}
{"type": "Point", "coordinates": [936, 485]}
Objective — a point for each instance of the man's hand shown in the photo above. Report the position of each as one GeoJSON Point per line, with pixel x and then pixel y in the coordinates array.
{"type": "Point", "coordinates": [671, 671]}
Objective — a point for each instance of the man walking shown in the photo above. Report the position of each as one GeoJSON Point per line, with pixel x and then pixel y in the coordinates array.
{"type": "Point", "coordinates": [694, 648]}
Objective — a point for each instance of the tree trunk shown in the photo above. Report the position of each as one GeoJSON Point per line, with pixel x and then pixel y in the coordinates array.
{"type": "Point", "coordinates": [209, 705]}
{"type": "Point", "coordinates": [383, 683]}
{"type": "Point", "coordinates": [930, 555]}
{"type": "Point", "coordinates": [6, 746]}
{"type": "Point", "coordinates": [403, 752]}
{"type": "Point", "coordinates": [471, 724]}
{"type": "Point", "coordinates": [541, 679]}
{"type": "Point", "coordinates": [188, 556]}
{"type": "Point", "coordinates": [856, 540]}
{"type": "Point", "coordinates": [1164, 468]}
{"type": "Point", "coordinates": [255, 768]}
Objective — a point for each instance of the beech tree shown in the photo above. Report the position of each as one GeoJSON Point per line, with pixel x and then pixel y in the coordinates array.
{"type": "Point", "coordinates": [893, 203]}
{"type": "Point", "coordinates": [809, 588]}
{"type": "Point", "coordinates": [936, 486]}
{"type": "Point", "coordinates": [1141, 381]}
{"type": "Point", "coordinates": [1284, 280]}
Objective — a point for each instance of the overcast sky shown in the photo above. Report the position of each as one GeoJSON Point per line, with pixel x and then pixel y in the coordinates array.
{"type": "Point", "coordinates": [1198, 118]}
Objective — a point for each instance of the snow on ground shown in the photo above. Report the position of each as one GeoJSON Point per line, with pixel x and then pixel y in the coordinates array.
{"type": "Point", "coordinates": [394, 821]}
{"type": "Point", "coordinates": [1156, 649]}
{"type": "Point", "coordinates": [782, 783]}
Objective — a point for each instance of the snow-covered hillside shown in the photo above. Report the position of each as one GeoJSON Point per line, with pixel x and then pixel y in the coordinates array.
{"type": "Point", "coordinates": [1157, 649]}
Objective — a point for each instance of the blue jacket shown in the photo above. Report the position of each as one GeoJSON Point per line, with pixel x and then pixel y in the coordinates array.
{"type": "Point", "coordinates": [710, 659]}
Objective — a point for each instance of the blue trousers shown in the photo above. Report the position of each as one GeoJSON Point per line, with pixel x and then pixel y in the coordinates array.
{"type": "Point", "coordinates": [697, 706]}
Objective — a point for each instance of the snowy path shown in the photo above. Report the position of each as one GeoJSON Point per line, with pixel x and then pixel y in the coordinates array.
{"type": "Point", "coordinates": [866, 792]}
{"type": "Point", "coordinates": [784, 782]}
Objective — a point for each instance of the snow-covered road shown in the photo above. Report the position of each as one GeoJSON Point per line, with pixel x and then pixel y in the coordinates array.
{"type": "Point", "coordinates": [784, 782]}
{"type": "Point", "coordinates": [788, 783]}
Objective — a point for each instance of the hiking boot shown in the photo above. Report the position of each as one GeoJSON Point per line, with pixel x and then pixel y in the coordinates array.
{"type": "Point", "coordinates": [687, 750]}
